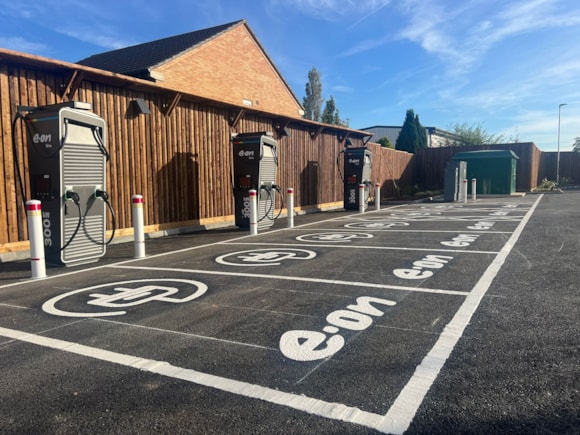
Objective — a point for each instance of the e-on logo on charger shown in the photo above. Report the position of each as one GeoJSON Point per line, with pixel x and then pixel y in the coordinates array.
{"type": "Point", "coordinates": [45, 138]}
{"type": "Point", "coordinates": [248, 154]}
{"type": "Point", "coordinates": [113, 299]}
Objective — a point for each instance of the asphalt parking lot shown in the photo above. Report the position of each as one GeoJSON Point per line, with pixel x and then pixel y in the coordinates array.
{"type": "Point", "coordinates": [418, 318]}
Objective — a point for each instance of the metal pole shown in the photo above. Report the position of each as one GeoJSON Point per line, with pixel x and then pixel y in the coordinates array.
{"type": "Point", "coordinates": [361, 198]}
{"type": "Point", "coordinates": [290, 207]}
{"type": "Point", "coordinates": [378, 196]}
{"type": "Point", "coordinates": [138, 226]}
{"type": "Point", "coordinates": [558, 158]}
{"type": "Point", "coordinates": [473, 188]}
{"type": "Point", "coordinates": [465, 190]}
{"type": "Point", "coordinates": [457, 186]}
{"type": "Point", "coordinates": [36, 237]}
{"type": "Point", "coordinates": [253, 212]}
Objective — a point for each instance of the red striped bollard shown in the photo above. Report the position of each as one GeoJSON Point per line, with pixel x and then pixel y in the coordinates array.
{"type": "Point", "coordinates": [36, 237]}
{"type": "Point", "coordinates": [138, 225]}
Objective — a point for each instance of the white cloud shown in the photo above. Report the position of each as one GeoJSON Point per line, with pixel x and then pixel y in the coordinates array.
{"type": "Point", "coordinates": [331, 10]}
{"type": "Point", "coordinates": [343, 89]}
{"type": "Point", "coordinates": [460, 37]}
{"type": "Point", "coordinates": [17, 43]}
{"type": "Point", "coordinates": [95, 37]}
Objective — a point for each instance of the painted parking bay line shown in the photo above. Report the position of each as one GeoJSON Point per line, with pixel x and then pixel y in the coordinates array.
{"type": "Point", "coordinates": [335, 411]}
{"type": "Point", "coordinates": [403, 410]}
{"type": "Point", "coordinates": [396, 420]}
{"type": "Point", "coordinates": [297, 278]}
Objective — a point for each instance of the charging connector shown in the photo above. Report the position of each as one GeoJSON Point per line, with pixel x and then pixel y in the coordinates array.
{"type": "Point", "coordinates": [72, 196]}
{"type": "Point", "coordinates": [102, 194]}
{"type": "Point", "coordinates": [99, 193]}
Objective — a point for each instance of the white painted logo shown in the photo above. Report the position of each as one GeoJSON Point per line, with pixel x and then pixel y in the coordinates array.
{"type": "Point", "coordinates": [264, 257]}
{"type": "Point", "coordinates": [243, 153]}
{"type": "Point", "coordinates": [305, 345]}
{"type": "Point", "coordinates": [125, 294]}
{"type": "Point", "coordinates": [376, 225]}
{"type": "Point", "coordinates": [354, 161]}
{"type": "Point", "coordinates": [333, 237]}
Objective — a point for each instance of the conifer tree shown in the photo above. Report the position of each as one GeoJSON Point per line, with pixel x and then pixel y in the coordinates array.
{"type": "Point", "coordinates": [421, 134]}
{"type": "Point", "coordinates": [312, 101]}
{"type": "Point", "coordinates": [408, 136]}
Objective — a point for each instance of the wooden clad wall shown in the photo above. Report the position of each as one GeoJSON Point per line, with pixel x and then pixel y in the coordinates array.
{"type": "Point", "coordinates": [180, 162]}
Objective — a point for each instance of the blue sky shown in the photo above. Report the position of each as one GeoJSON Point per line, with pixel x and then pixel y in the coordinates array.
{"type": "Point", "coordinates": [504, 64]}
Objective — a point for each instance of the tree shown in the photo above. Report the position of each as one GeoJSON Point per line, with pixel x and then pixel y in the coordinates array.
{"type": "Point", "coordinates": [312, 102]}
{"type": "Point", "coordinates": [385, 142]}
{"type": "Point", "coordinates": [576, 145]}
{"type": "Point", "coordinates": [331, 115]}
{"type": "Point", "coordinates": [474, 134]}
{"type": "Point", "coordinates": [421, 134]}
{"type": "Point", "coordinates": [330, 112]}
{"type": "Point", "coordinates": [408, 139]}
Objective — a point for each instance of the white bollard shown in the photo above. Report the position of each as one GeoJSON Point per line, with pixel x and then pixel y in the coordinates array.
{"type": "Point", "coordinates": [290, 207]}
{"type": "Point", "coordinates": [473, 188]}
{"type": "Point", "coordinates": [138, 225]}
{"type": "Point", "coordinates": [253, 212]}
{"type": "Point", "coordinates": [464, 190]}
{"type": "Point", "coordinates": [378, 196]}
{"type": "Point", "coordinates": [36, 237]}
{"type": "Point", "coordinates": [361, 198]}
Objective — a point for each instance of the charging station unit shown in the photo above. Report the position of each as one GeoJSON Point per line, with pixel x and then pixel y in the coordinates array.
{"type": "Point", "coordinates": [66, 161]}
{"type": "Point", "coordinates": [255, 167]}
{"type": "Point", "coordinates": [357, 170]}
{"type": "Point", "coordinates": [455, 173]}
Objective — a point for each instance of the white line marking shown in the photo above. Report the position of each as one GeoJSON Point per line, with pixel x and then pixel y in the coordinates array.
{"type": "Point", "coordinates": [163, 254]}
{"type": "Point", "coordinates": [335, 411]}
{"type": "Point", "coordinates": [401, 413]}
{"type": "Point", "coordinates": [387, 248]}
{"type": "Point", "coordinates": [298, 278]}
{"type": "Point", "coordinates": [403, 410]}
{"type": "Point", "coordinates": [187, 334]}
{"type": "Point", "coordinates": [373, 230]}
{"type": "Point", "coordinates": [15, 306]}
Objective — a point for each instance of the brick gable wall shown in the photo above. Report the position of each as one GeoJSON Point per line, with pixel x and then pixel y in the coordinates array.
{"type": "Point", "coordinates": [232, 68]}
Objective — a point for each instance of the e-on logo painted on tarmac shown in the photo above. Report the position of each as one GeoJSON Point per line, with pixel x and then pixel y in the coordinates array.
{"type": "Point", "coordinates": [305, 345]}
{"type": "Point", "coordinates": [125, 294]}
{"type": "Point", "coordinates": [264, 257]}
{"type": "Point", "coordinates": [333, 237]}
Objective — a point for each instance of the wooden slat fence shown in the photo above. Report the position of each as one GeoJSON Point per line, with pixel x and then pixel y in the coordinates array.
{"type": "Point", "coordinates": [430, 164]}
{"type": "Point", "coordinates": [569, 167]}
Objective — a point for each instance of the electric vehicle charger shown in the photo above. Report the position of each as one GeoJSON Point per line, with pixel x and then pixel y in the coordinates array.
{"type": "Point", "coordinates": [66, 163]}
{"type": "Point", "coordinates": [357, 170]}
{"type": "Point", "coordinates": [255, 166]}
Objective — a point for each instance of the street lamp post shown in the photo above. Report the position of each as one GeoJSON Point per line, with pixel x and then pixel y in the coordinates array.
{"type": "Point", "coordinates": [558, 158]}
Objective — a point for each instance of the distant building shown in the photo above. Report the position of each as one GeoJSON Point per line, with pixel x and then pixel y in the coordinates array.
{"type": "Point", "coordinates": [435, 136]}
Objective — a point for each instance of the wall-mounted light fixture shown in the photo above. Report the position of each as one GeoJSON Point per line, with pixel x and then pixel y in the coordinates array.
{"type": "Point", "coordinates": [141, 106]}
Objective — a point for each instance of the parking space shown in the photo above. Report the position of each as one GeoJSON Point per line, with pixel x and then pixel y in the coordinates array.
{"type": "Point", "coordinates": [350, 318]}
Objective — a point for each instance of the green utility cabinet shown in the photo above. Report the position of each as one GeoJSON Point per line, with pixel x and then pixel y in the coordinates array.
{"type": "Point", "coordinates": [494, 170]}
